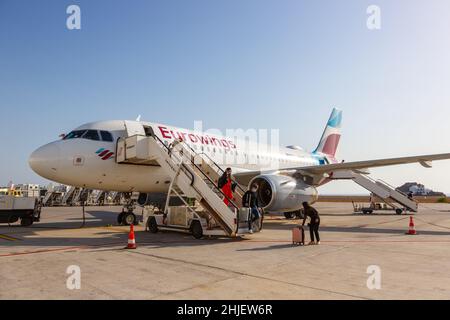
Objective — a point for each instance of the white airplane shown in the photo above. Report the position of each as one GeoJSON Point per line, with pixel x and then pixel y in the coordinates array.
{"type": "Point", "coordinates": [85, 158]}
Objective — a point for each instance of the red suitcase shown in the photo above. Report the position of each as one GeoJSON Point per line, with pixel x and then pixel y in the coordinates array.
{"type": "Point", "coordinates": [298, 236]}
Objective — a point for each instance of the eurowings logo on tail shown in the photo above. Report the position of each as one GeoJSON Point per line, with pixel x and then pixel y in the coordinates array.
{"type": "Point", "coordinates": [331, 135]}
{"type": "Point", "coordinates": [105, 154]}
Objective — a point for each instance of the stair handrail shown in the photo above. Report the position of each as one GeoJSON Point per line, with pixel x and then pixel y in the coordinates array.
{"type": "Point", "coordinates": [399, 191]}
{"type": "Point", "coordinates": [191, 160]}
{"type": "Point", "coordinates": [367, 177]}
{"type": "Point", "coordinates": [211, 160]}
{"type": "Point", "coordinates": [220, 168]}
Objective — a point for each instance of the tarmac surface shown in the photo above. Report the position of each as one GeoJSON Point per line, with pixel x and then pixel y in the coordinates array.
{"type": "Point", "coordinates": [34, 260]}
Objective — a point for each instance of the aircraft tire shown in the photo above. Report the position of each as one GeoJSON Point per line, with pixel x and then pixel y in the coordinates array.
{"type": "Point", "coordinates": [120, 218]}
{"type": "Point", "coordinates": [26, 221]}
{"type": "Point", "coordinates": [289, 215]}
{"type": "Point", "coordinates": [152, 225]}
{"type": "Point", "coordinates": [398, 211]}
{"type": "Point", "coordinates": [128, 219]}
{"type": "Point", "coordinates": [196, 229]}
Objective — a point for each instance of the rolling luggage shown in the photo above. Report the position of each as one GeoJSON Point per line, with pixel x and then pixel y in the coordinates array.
{"type": "Point", "coordinates": [298, 236]}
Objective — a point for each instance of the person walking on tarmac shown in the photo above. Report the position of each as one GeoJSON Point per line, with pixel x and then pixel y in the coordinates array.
{"type": "Point", "coordinates": [314, 224]}
{"type": "Point", "coordinates": [250, 200]}
{"type": "Point", "coordinates": [227, 186]}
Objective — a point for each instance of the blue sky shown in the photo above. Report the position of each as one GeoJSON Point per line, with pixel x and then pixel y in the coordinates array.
{"type": "Point", "coordinates": [232, 64]}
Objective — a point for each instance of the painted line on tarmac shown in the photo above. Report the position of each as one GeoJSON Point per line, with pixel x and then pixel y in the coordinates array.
{"type": "Point", "coordinates": [5, 237]}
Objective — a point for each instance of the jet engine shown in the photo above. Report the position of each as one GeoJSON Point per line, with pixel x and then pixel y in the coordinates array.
{"type": "Point", "coordinates": [278, 193]}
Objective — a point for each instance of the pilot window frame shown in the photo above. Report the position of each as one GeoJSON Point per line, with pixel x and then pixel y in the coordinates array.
{"type": "Point", "coordinates": [75, 134]}
{"type": "Point", "coordinates": [93, 138]}
{"type": "Point", "coordinates": [108, 138]}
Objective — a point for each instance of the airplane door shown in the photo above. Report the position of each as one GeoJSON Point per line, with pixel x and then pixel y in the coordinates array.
{"type": "Point", "coordinates": [134, 128]}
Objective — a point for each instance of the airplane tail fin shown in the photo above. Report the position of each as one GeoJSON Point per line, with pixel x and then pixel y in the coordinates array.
{"type": "Point", "coordinates": [331, 135]}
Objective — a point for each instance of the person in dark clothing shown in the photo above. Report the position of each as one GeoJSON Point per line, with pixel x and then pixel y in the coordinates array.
{"type": "Point", "coordinates": [314, 224]}
{"type": "Point", "coordinates": [250, 200]}
{"type": "Point", "coordinates": [227, 186]}
{"type": "Point", "coordinates": [224, 178]}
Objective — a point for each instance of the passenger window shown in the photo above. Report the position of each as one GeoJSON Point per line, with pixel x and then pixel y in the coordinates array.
{"type": "Point", "coordinates": [74, 134]}
{"type": "Point", "coordinates": [91, 135]}
{"type": "Point", "coordinates": [106, 136]}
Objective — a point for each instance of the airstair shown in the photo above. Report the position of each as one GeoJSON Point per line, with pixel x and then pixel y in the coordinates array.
{"type": "Point", "coordinates": [193, 176]}
{"type": "Point", "coordinates": [46, 200]}
{"type": "Point", "coordinates": [76, 196]}
{"type": "Point", "coordinates": [83, 197]}
{"type": "Point", "coordinates": [100, 198]}
{"type": "Point", "coordinates": [214, 171]}
{"type": "Point", "coordinates": [114, 197]}
{"type": "Point", "coordinates": [386, 192]}
{"type": "Point", "coordinates": [69, 195]}
{"type": "Point", "coordinates": [52, 198]}
{"type": "Point", "coordinates": [381, 189]}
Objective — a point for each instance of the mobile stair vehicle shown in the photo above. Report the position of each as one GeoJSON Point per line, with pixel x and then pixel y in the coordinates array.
{"type": "Point", "coordinates": [27, 209]}
{"type": "Point", "coordinates": [100, 198]}
{"type": "Point", "coordinates": [114, 198]}
{"type": "Point", "coordinates": [193, 181]}
{"type": "Point", "coordinates": [393, 199]}
{"type": "Point", "coordinates": [54, 196]}
{"type": "Point", "coordinates": [72, 196]}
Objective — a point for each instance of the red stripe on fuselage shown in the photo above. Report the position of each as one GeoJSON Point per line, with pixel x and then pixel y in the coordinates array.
{"type": "Point", "coordinates": [108, 156]}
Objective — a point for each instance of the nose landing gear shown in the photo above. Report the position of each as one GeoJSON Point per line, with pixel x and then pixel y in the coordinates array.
{"type": "Point", "coordinates": [127, 217]}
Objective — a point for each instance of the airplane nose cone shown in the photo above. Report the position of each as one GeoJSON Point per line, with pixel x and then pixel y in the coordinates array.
{"type": "Point", "coordinates": [45, 160]}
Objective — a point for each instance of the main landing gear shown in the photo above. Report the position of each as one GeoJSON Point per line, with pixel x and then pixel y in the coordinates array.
{"type": "Point", "coordinates": [294, 214]}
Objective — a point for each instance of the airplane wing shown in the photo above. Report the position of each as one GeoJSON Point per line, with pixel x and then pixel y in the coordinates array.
{"type": "Point", "coordinates": [424, 160]}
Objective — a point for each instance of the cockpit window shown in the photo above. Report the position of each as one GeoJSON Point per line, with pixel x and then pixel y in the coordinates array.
{"type": "Point", "coordinates": [74, 134]}
{"type": "Point", "coordinates": [106, 136]}
{"type": "Point", "coordinates": [91, 135]}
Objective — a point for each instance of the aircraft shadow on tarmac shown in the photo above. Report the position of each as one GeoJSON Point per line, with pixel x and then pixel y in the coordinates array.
{"type": "Point", "coordinates": [117, 241]}
{"type": "Point", "coordinates": [93, 219]}
{"type": "Point", "coordinates": [355, 229]}
{"type": "Point", "coordinates": [272, 247]}
{"type": "Point", "coordinates": [364, 229]}
{"type": "Point", "coordinates": [113, 238]}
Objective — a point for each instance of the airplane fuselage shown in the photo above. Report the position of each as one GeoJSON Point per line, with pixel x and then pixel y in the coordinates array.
{"type": "Point", "coordinates": [89, 161]}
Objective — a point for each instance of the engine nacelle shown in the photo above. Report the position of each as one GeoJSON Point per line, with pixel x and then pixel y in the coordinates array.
{"type": "Point", "coordinates": [277, 193]}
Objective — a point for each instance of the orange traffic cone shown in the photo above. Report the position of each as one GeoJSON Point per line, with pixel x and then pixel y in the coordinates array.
{"type": "Point", "coordinates": [411, 230]}
{"type": "Point", "coordinates": [131, 239]}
